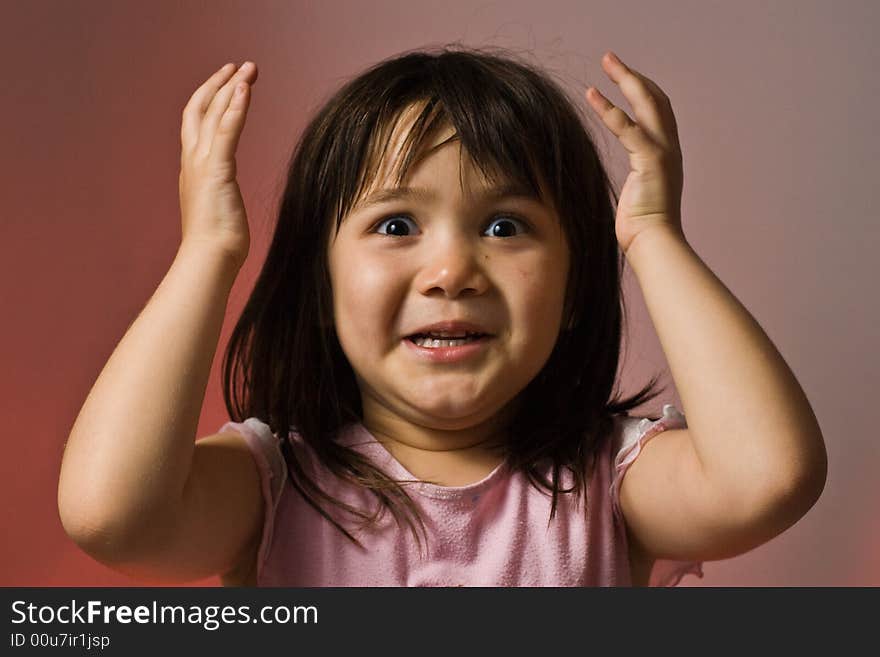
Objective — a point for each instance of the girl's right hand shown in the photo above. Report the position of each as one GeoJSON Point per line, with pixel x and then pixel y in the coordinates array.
{"type": "Point", "coordinates": [211, 206]}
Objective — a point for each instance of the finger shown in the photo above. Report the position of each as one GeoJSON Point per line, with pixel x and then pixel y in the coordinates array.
{"type": "Point", "coordinates": [666, 111]}
{"type": "Point", "coordinates": [198, 103]}
{"type": "Point", "coordinates": [651, 107]}
{"type": "Point", "coordinates": [247, 72]}
{"type": "Point", "coordinates": [633, 138]}
{"type": "Point", "coordinates": [229, 129]}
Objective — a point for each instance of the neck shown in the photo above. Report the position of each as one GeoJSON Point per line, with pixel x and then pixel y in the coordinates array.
{"type": "Point", "coordinates": [459, 451]}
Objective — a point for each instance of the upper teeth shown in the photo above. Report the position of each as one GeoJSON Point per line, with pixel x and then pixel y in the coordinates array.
{"type": "Point", "coordinates": [443, 334]}
{"type": "Point", "coordinates": [441, 342]}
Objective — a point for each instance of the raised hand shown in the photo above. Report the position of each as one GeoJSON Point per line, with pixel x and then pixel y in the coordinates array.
{"type": "Point", "coordinates": [211, 206]}
{"type": "Point", "coordinates": [651, 195]}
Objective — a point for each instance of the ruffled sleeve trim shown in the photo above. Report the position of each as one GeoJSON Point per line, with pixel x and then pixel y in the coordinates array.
{"type": "Point", "coordinates": [270, 463]}
{"type": "Point", "coordinates": [635, 434]}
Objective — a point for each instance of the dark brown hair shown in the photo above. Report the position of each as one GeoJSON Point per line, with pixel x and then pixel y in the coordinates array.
{"type": "Point", "coordinates": [284, 363]}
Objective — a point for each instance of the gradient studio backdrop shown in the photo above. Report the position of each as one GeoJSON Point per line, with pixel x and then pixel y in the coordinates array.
{"type": "Point", "coordinates": [776, 104]}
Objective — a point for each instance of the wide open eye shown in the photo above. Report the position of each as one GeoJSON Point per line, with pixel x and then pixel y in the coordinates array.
{"type": "Point", "coordinates": [395, 224]}
{"type": "Point", "coordinates": [501, 228]}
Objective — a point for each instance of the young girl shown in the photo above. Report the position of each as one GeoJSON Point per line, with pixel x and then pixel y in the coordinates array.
{"type": "Point", "coordinates": [421, 383]}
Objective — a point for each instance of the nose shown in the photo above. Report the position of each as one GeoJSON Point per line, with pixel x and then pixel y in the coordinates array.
{"type": "Point", "coordinates": [453, 265]}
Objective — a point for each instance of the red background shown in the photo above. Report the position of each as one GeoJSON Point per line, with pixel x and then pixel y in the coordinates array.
{"type": "Point", "coordinates": [776, 108]}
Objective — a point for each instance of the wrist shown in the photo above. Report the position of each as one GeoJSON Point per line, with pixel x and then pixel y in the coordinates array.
{"type": "Point", "coordinates": [661, 235]}
{"type": "Point", "coordinates": [230, 260]}
{"type": "Point", "coordinates": [208, 257]}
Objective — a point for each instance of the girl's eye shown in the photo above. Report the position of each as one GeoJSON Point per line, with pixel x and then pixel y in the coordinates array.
{"type": "Point", "coordinates": [498, 228]}
{"type": "Point", "coordinates": [395, 225]}
{"type": "Point", "coordinates": [505, 230]}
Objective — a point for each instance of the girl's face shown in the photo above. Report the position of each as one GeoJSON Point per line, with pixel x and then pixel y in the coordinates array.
{"type": "Point", "coordinates": [450, 254]}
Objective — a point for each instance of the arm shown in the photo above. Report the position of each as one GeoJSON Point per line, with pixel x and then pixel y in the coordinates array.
{"type": "Point", "coordinates": [130, 450]}
{"type": "Point", "coordinates": [134, 490]}
{"type": "Point", "coordinates": [751, 425]}
{"type": "Point", "coordinates": [752, 460]}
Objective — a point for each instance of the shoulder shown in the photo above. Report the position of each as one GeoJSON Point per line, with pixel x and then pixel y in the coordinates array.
{"type": "Point", "coordinates": [654, 470]}
{"type": "Point", "coordinates": [651, 463]}
{"type": "Point", "coordinates": [265, 449]}
{"type": "Point", "coordinates": [670, 508]}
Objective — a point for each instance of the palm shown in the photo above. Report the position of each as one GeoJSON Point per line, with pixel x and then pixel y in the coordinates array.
{"type": "Point", "coordinates": [647, 197]}
{"type": "Point", "coordinates": [651, 194]}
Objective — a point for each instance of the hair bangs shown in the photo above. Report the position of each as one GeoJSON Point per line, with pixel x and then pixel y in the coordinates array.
{"type": "Point", "coordinates": [494, 136]}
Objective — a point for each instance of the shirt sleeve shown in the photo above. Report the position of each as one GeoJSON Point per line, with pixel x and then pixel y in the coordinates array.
{"type": "Point", "coordinates": [266, 451]}
{"type": "Point", "coordinates": [635, 433]}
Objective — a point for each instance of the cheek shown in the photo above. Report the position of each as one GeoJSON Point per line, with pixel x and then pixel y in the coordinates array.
{"type": "Point", "coordinates": [540, 295]}
{"type": "Point", "coordinates": [364, 299]}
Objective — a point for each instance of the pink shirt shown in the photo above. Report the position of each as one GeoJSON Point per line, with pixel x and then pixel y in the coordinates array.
{"type": "Point", "coordinates": [490, 533]}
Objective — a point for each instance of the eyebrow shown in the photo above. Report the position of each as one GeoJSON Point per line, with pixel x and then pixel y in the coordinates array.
{"type": "Point", "coordinates": [510, 190]}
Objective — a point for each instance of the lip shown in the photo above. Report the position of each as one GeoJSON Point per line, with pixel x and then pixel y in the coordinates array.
{"type": "Point", "coordinates": [450, 354]}
{"type": "Point", "coordinates": [451, 326]}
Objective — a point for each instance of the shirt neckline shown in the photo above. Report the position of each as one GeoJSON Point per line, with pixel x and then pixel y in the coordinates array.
{"type": "Point", "coordinates": [360, 438]}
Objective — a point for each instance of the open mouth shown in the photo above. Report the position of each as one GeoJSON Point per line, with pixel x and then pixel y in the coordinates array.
{"type": "Point", "coordinates": [429, 341]}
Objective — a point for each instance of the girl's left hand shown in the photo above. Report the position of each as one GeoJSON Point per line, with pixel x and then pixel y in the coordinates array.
{"type": "Point", "coordinates": [651, 195]}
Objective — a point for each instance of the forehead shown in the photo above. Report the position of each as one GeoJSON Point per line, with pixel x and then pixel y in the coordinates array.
{"type": "Point", "coordinates": [390, 146]}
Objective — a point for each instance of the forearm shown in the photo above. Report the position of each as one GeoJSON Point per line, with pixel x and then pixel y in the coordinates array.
{"type": "Point", "coordinates": [751, 423]}
{"type": "Point", "coordinates": [131, 447]}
